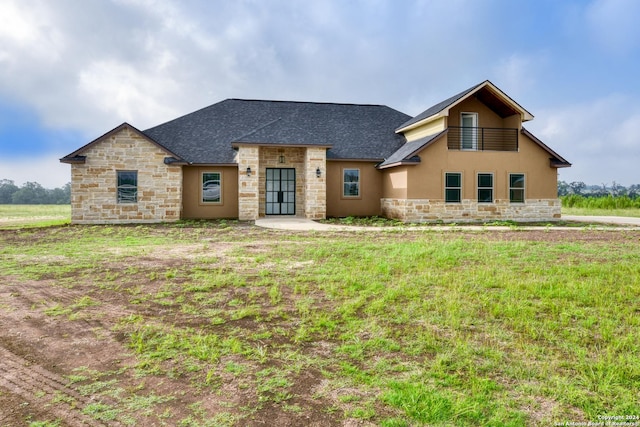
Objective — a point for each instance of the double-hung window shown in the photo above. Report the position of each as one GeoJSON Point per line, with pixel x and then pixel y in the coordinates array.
{"type": "Point", "coordinates": [127, 186]}
{"type": "Point", "coordinates": [485, 188]}
{"type": "Point", "coordinates": [211, 187]}
{"type": "Point", "coordinates": [452, 187]}
{"type": "Point", "coordinates": [351, 182]}
{"type": "Point", "coordinates": [516, 187]}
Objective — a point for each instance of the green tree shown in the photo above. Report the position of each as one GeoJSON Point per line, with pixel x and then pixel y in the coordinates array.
{"type": "Point", "coordinates": [31, 193]}
{"type": "Point", "coordinates": [563, 188]}
{"type": "Point", "coordinates": [7, 188]}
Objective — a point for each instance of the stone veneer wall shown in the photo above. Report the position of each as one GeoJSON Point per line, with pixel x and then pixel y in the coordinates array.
{"type": "Point", "coordinates": [248, 186]}
{"type": "Point", "coordinates": [93, 183]}
{"type": "Point", "coordinates": [293, 158]}
{"type": "Point", "coordinates": [311, 191]}
{"type": "Point", "coordinates": [316, 187]}
{"type": "Point", "coordinates": [423, 210]}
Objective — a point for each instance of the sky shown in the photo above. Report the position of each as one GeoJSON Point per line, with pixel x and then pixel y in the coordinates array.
{"type": "Point", "coordinates": [71, 70]}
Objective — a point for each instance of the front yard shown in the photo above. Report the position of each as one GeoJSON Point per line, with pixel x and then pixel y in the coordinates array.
{"type": "Point", "coordinates": [223, 323]}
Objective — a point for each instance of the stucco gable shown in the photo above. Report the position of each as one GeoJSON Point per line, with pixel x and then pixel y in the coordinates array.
{"type": "Point", "coordinates": [486, 91]}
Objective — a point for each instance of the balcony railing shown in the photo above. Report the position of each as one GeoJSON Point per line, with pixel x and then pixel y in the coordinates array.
{"type": "Point", "coordinates": [482, 139]}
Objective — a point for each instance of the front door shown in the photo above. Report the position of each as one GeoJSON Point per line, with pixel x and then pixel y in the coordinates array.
{"type": "Point", "coordinates": [281, 191]}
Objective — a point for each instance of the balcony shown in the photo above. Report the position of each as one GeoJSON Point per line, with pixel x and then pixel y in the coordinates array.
{"type": "Point", "coordinates": [482, 139]}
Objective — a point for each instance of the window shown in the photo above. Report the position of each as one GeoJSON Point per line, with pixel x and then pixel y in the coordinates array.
{"type": "Point", "coordinates": [516, 187]}
{"type": "Point", "coordinates": [127, 186]}
{"type": "Point", "coordinates": [469, 131]}
{"type": "Point", "coordinates": [351, 182]}
{"type": "Point", "coordinates": [452, 187]}
{"type": "Point", "coordinates": [211, 187]}
{"type": "Point", "coordinates": [485, 188]}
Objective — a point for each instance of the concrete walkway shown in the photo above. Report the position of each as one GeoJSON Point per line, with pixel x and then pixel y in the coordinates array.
{"type": "Point", "coordinates": [303, 224]}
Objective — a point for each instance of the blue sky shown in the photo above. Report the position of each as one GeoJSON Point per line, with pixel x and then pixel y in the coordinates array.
{"type": "Point", "coordinates": [70, 70]}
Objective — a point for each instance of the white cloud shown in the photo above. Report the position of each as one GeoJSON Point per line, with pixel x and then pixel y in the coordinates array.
{"type": "Point", "coordinates": [45, 170]}
{"type": "Point", "coordinates": [518, 73]}
{"type": "Point", "coordinates": [599, 136]}
{"type": "Point", "coordinates": [125, 92]}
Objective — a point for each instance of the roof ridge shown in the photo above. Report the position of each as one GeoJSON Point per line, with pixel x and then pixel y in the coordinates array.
{"type": "Point", "coordinates": [306, 102]}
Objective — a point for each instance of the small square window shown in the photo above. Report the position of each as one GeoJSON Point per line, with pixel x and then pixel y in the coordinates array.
{"type": "Point", "coordinates": [452, 187]}
{"type": "Point", "coordinates": [127, 186]}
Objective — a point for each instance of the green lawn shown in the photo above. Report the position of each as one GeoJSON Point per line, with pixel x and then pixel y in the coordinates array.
{"type": "Point", "coordinates": [13, 216]}
{"type": "Point", "coordinates": [396, 328]}
{"type": "Point", "coordinates": [630, 212]}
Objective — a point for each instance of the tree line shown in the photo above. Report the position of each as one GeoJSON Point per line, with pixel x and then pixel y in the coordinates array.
{"type": "Point", "coordinates": [579, 188]}
{"type": "Point", "coordinates": [32, 193]}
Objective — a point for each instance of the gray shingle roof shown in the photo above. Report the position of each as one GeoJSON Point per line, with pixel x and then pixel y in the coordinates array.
{"type": "Point", "coordinates": [352, 131]}
{"type": "Point", "coordinates": [438, 107]}
{"type": "Point", "coordinates": [409, 150]}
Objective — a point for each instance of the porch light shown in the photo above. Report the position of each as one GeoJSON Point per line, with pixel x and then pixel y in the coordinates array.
{"type": "Point", "coordinates": [248, 171]}
{"type": "Point", "coordinates": [281, 158]}
{"type": "Point", "coordinates": [318, 172]}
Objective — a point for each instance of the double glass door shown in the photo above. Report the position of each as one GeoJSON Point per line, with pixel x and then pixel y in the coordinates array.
{"type": "Point", "coordinates": [281, 191]}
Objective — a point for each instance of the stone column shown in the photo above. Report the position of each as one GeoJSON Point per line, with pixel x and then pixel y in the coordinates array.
{"type": "Point", "coordinates": [315, 187]}
{"type": "Point", "coordinates": [248, 186]}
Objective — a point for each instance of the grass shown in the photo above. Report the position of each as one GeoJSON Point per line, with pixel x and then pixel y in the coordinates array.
{"type": "Point", "coordinates": [600, 206]}
{"type": "Point", "coordinates": [20, 216]}
{"type": "Point", "coordinates": [396, 329]}
{"type": "Point", "coordinates": [628, 212]}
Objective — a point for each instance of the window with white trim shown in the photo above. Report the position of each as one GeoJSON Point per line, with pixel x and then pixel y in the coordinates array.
{"type": "Point", "coordinates": [211, 187]}
{"type": "Point", "coordinates": [485, 188]}
{"type": "Point", "coordinates": [469, 131]}
{"type": "Point", "coordinates": [127, 186]}
{"type": "Point", "coordinates": [453, 187]}
{"type": "Point", "coordinates": [516, 187]}
{"type": "Point", "coordinates": [351, 182]}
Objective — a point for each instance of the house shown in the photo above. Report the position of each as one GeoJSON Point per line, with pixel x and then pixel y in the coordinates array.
{"type": "Point", "coordinates": [467, 158]}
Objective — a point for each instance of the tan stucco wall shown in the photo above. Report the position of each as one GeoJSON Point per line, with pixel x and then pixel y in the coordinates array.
{"type": "Point", "coordinates": [94, 183]}
{"type": "Point", "coordinates": [423, 197]}
{"type": "Point", "coordinates": [394, 182]}
{"type": "Point", "coordinates": [368, 204]}
{"type": "Point", "coordinates": [192, 206]}
{"type": "Point", "coordinates": [426, 180]}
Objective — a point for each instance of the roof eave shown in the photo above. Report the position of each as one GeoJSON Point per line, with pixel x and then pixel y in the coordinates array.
{"type": "Point", "coordinates": [554, 163]}
{"type": "Point", "coordinates": [346, 159]}
{"type": "Point", "coordinates": [557, 161]}
{"type": "Point", "coordinates": [401, 163]}
{"type": "Point", "coordinates": [73, 160]}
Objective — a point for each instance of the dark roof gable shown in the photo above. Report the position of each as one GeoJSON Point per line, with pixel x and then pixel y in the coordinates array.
{"type": "Point", "coordinates": [352, 131]}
